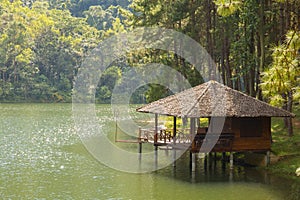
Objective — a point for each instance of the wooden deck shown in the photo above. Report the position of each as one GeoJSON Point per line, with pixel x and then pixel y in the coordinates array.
{"type": "Point", "coordinates": [184, 141]}
{"type": "Point", "coordinates": [239, 138]}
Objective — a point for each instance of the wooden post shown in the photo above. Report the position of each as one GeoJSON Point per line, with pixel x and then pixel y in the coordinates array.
{"type": "Point", "coordinates": [215, 160]}
{"type": "Point", "coordinates": [116, 131]}
{"type": "Point", "coordinates": [140, 147]}
{"type": "Point", "coordinates": [230, 175]}
{"type": "Point", "coordinates": [140, 134]}
{"type": "Point", "coordinates": [198, 122]}
{"type": "Point", "coordinates": [174, 141]}
{"type": "Point", "coordinates": [267, 158]}
{"type": "Point", "coordinates": [223, 156]}
{"type": "Point", "coordinates": [191, 159]}
{"type": "Point", "coordinates": [210, 159]}
{"type": "Point", "coordinates": [140, 143]}
{"type": "Point", "coordinates": [223, 167]}
{"type": "Point", "coordinates": [205, 163]}
{"type": "Point", "coordinates": [155, 142]}
{"type": "Point", "coordinates": [174, 130]}
{"type": "Point", "coordinates": [193, 162]}
{"type": "Point", "coordinates": [156, 129]}
{"type": "Point", "coordinates": [192, 126]}
{"type": "Point", "coordinates": [231, 160]}
{"type": "Point", "coordinates": [192, 134]}
{"type": "Point", "coordinates": [155, 156]}
{"type": "Point", "coordinates": [193, 177]}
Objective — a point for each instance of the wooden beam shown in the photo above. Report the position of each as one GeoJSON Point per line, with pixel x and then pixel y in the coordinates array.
{"type": "Point", "coordinates": [155, 142]}
{"type": "Point", "coordinates": [174, 140]}
{"type": "Point", "coordinates": [193, 161]}
{"type": "Point", "coordinates": [268, 158]}
{"type": "Point", "coordinates": [174, 129]}
{"type": "Point", "coordinates": [156, 129]}
{"type": "Point", "coordinates": [231, 160]}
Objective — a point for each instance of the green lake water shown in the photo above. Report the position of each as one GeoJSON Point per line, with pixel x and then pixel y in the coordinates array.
{"type": "Point", "coordinates": [42, 157]}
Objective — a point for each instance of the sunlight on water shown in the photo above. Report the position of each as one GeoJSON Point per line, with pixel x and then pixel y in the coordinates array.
{"type": "Point", "coordinates": [41, 157]}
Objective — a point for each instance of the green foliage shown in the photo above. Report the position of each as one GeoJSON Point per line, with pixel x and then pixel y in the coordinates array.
{"type": "Point", "coordinates": [108, 80]}
{"type": "Point", "coordinates": [204, 122]}
{"type": "Point", "coordinates": [40, 49]}
{"type": "Point", "coordinates": [227, 7]}
{"type": "Point", "coordinates": [78, 7]}
{"type": "Point", "coordinates": [286, 167]}
{"type": "Point", "coordinates": [168, 14]}
{"type": "Point", "coordinates": [169, 123]}
{"type": "Point", "coordinates": [103, 19]}
{"type": "Point", "coordinates": [117, 27]}
{"type": "Point", "coordinates": [284, 145]}
{"type": "Point", "coordinates": [283, 75]}
{"type": "Point", "coordinates": [156, 92]}
{"type": "Point", "coordinates": [42, 44]}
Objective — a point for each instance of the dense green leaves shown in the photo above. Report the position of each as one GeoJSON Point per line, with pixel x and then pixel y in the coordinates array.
{"type": "Point", "coordinates": [239, 35]}
{"type": "Point", "coordinates": [281, 82]}
{"type": "Point", "coordinates": [227, 7]}
{"type": "Point", "coordinates": [109, 78]}
{"type": "Point", "coordinates": [40, 50]}
{"type": "Point", "coordinates": [42, 44]}
{"type": "Point", "coordinates": [283, 76]}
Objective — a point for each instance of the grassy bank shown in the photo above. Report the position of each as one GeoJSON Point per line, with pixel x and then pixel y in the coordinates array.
{"type": "Point", "coordinates": [287, 149]}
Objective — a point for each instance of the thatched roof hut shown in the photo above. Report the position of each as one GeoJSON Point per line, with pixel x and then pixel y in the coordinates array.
{"type": "Point", "coordinates": [213, 99]}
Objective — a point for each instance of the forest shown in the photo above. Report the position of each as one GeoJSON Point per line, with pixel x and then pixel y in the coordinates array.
{"type": "Point", "coordinates": [255, 44]}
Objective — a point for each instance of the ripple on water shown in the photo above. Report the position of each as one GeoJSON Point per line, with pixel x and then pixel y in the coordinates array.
{"type": "Point", "coordinates": [43, 158]}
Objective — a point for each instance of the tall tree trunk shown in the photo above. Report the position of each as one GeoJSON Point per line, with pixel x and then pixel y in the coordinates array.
{"type": "Point", "coordinates": [226, 54]}
{"type": "Point", "coordinates": [261, 48]}
{"type": "Point", "coordinates": [227, 62]}
{"type": "Point", "coordinates": [290, 108]}
{"type": "Point", "coordinates": [209, 42]}
{"type": "Point", "coordinates": [282, 23]}
{"type": "Point", "coordinates": [222, 63]}
{"type": "Point", "coordinates": [193, 22]}
{"type": "Point", "coordinates": [287, 15]}
{"type": "Point", "coordinates": [253, 66]}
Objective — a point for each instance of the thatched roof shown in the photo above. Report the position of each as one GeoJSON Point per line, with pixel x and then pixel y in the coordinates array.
{"type": "Point", "coordinates": [213, 99]}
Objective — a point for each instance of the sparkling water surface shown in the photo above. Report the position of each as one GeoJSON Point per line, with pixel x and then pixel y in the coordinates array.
{"type": "Point", "coordinates": [42, 157]}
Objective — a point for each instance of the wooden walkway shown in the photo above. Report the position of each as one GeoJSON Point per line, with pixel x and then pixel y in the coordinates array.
{"type": "Point", "coordinates": [184, 141]}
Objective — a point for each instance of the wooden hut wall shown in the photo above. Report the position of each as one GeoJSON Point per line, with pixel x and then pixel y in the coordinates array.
{"type": "Point", "coordinates": [251, 134]}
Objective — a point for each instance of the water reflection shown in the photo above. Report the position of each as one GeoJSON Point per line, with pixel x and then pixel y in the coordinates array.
{"type": "Point", "coordinates": [42, 158]}
{"type": "Point", "coordinates": [214, 171]}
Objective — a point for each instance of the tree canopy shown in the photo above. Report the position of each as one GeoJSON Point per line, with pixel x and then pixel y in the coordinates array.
{"type": "Point", "coordinates": [255, 45]}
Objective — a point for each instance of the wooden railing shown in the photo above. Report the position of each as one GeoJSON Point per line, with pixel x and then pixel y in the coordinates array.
{"type": "Point", "coordinates": [221, 142]}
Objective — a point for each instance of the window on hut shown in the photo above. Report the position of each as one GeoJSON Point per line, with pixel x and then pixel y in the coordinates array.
{"type": "Point", "coordinates": [250, 127]}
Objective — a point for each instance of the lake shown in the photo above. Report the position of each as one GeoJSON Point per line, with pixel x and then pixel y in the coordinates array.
{"type": "Point", "coordinates": [42, 157]}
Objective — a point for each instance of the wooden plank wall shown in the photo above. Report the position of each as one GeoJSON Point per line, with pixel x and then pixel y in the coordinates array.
{"type": "Point", "coordinates": [252, 143]}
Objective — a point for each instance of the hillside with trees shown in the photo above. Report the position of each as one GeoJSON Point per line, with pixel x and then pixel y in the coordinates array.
{"type": "Point", "coordinates": [255, 44]}
{"type": "Point", "coordinates": [42, 45]}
